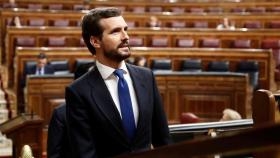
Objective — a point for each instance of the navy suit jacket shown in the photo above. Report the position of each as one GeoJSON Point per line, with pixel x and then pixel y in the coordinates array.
{"type": "Point", "coordinates": [48, 69]}
{"type": "Point", "coordinates": [58, 141]}
{"type": "Point", "coordinates": [95, 126]}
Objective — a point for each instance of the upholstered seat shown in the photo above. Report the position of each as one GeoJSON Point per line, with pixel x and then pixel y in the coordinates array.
{"type": "Point", "coordinates": [135, 41]}
{"type": "Point", "coordinates": [252, 68]}
{"type": "Point", "coordinates": [252, 24]}
{"type": "Point", "coordinates": [197, 10]}
{"type": "Point", "coordinates": [56, 41]}
{"type": "Point", "coordinates": [215, 10]}
{"type": "Point", "coordinates": [178, 24]}
{"type": "Point", "coordinates": [178, 10]}
{"type": "Point", "coordinates": [159, 42]}
{"type": "Point", "coordinates": [61, 23]}
{"type": "Point", "coordinates": [256, 10]}
{"type": "Point", "coordinates": [210, 43]}
{"type": "Point", "coordinates": [55, 7]}
{"type": "Point", "coordinates": [270, 44]}
{"type": "Point", "coordinates": [25, 41]}
{"type": "Point", "coordinates": [161, 64]}
{"type": "Point", "coordinates": [218, 66]}
{"type": "Point", "coordinates": [238, 10]}
{"type": "Point", "coordinates": [191, 65]}
{"type": "Point", "coordinates": [80, 62]}
{"type": "Point", "coordinates": [241, 43]}
{"type": "Point", "coordinates": [200, 24]}
{"type": "Point", "coordinates": [185, 42]}
{"type": "Point", "coordinates": [36, 22]}
{"type": "Point", "coordinates": [60, 67]}
{"type": "Point", "coordinates": [35, 6]}
{"type": "Point", "coordinates": [274, 24]}
{"type": "Point", "coordinates": [138, 9]}
{"type": "Point", "coordinates": [155, 9]}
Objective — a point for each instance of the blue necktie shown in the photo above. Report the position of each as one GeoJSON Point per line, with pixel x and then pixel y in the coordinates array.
{"type": "Point", "coordinates": [40, 71]}
{"type": "Point", "coordinates": [125, 105]}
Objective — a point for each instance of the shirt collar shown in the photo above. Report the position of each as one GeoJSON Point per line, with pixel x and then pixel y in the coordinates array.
{"type": "Point", "coordinates": [107, 71]}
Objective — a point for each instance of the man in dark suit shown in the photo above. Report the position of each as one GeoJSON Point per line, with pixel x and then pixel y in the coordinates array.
{"type": "Point", "coordinates": [58, 143]}
{"type": "Point", "coordinates": [115, 108]}
{"type": "Point", "coordinates": [41, 68]}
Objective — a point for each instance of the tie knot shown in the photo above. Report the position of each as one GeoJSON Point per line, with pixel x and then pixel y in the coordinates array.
{"type": "Point", "coordinates": [119, 73]}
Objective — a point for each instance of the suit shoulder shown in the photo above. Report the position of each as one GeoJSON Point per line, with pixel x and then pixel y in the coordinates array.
{"type": "Point", "coordinates": [140, 68]}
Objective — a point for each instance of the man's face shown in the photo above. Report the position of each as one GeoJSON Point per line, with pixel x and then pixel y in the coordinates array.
{"type": "Point", "coordinates": [42, 62]}
{"type": "Point", "coordinates": [114, 40]}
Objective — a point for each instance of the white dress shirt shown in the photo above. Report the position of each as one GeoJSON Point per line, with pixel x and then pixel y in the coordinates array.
{"type": "Point", "coordinates": [111, 82]}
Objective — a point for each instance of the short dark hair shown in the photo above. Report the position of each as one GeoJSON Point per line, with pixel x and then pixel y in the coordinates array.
{"type": "Point", "coordinates": [91, 26]}
{"type": "Point", "coordinates": [42, 56]}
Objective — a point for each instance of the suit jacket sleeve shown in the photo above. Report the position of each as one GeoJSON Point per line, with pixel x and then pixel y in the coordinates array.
{"type": "Point", "coordinates": [56, 133]}
{"type": "Point", "coordinates": [160, 130]}
{"type": "Point", "coordinates": [80, 131]}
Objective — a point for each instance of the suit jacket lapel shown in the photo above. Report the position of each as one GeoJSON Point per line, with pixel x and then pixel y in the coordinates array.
{"type": "Point", "coordinates": [105, 102]}
{"type": "Point", "coordinates": [140, 88]}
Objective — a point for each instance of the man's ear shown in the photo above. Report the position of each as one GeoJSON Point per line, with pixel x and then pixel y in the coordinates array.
{"type": "Point", "coordinates": [95, 41]}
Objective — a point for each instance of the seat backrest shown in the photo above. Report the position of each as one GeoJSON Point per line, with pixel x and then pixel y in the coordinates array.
{"type": "Point", "coordinates": [138, 9]}
{"type": "Point", "coordinates": [136, 41]}
{"type": "Point", "coordinates": [178, 24]}
{"type": "Point", "coordinates": [200, 24]}
{"type": "Point", "coordinates": [197, 10]}
{"type": "Point", "coordinates": [35, 6]}
{"type": "Point", "coordinates": [242, 43]}
{"type": "Point", "coordinates": [177, 9]}
{"type": "Point", "coordinates": [191, 65]}
{"type": "Point", "coordinates": [55, 6]}
{"type": "Point", "coordinates": [161, 64]}
{"type": "Point", "coordinates": [56, 41]}
{"type": "Point", "coordinates": [238, 10]}
{"type": "Point", "coordinates": [275, 9]}
{"type": "Point", "coordinates": [36, 22]}
{"type": "Point", "coordinates": [271, 44]}
{"type": "Point", "coordinates": [256, 9]}
{"type": "Point", "coordinates": [215, 10]}
{"type": "Point", "coordinates": [159, 42]}
{"type": "Point", "coordinates": [185, 42]}
{"type": "Point", "coordinates": [274, 24]}
{"type": "Point", "coordinates": [80, 62]}
{"type": "Point", "coordinates": [25, 41]}
{"type": "Point", "coordinates": [60, 67]}
{"type": "Point", "coordinates": [252, 68]}
{"type": "Point", "coordinates": [155, 9]}
{"type": "Point", "coordinates": [252, 24]}
{"type": "Point", "coordinates": [218, 66]}
{"type": "Point", "coordinates": [61, 23]}
{"type": "Point", "coordinates": [210, 43]}
{"type": "Point", "coordinates": [29, 65]}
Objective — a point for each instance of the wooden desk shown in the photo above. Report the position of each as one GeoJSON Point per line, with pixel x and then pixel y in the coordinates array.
{"type": "Point", "coordinates": [24, 129]}
{"type": "Point", "coordinates": [40, 89]}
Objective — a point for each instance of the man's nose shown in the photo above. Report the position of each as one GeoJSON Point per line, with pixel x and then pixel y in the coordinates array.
{"type": "Point", "coordinates": [125, 35]}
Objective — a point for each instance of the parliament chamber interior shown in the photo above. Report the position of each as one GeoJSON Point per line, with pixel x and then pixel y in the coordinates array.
{"type": "Point", "coordinates": [216, 64]}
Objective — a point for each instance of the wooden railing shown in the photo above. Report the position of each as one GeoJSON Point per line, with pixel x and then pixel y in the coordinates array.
{"type": "Point", "coordinates": [226, 5]}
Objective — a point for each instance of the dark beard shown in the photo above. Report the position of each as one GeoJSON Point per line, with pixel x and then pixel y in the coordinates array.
{"type": "Point", "coordinates": [113, 55]}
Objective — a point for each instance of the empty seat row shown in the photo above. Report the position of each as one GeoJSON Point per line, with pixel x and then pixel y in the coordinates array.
{"type": "Point", "coordinates": [50, 6]}
{"type": "Point", "coordinates": [153, 9]}
{"type": "Point", "coordinates": [195, 65]}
